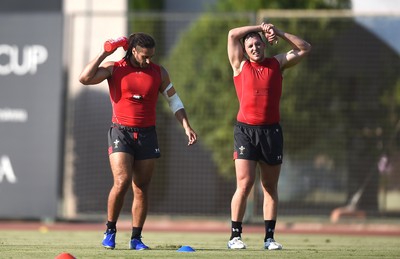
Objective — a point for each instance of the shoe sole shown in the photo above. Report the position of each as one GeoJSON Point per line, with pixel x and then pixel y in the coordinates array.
{"type": "Point", "coordinates": [107, 246]}
{"type": "Point", "coordinates": [132, 248]}
{"type": "Point", "coordinates": [279, 248]}
{"type": "Point", "coordinates": [236, 248]}
{"type": "Point", "coordinates": [140, 249]}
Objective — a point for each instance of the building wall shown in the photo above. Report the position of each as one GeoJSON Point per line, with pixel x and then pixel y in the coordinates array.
{"type": "Point", "coordinates": [87, 24]}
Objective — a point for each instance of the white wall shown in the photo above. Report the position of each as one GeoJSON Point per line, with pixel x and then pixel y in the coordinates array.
{"type": "Point", "coordinates": [380, 17]}
{"type": "Point", "coordinates": [376, 6]}
{"type": "Point", "coordinates": [88, 23]}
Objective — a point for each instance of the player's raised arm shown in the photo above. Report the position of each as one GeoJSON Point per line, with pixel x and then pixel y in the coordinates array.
{"type": "Point", "coordinates": [235, 47]}
{"type": "Point", "coordinates": [300, 48]}
{"type": "Point", "coordinates": [95, 72]}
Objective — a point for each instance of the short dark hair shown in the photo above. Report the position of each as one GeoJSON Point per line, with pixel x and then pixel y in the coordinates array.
{"type": "Point", "coordinates": [251, 34]}
{"type": "Point", "coordinates": [140, 39]}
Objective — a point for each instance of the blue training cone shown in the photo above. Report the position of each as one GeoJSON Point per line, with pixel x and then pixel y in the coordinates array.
{"type": "Point", "coordinates": [186, 249]}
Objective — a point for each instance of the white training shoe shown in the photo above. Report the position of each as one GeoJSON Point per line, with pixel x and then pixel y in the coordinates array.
{"type": "Point", "coordinates": [236, 243]}
{"type": "Point", "coordinates": [271, 244]}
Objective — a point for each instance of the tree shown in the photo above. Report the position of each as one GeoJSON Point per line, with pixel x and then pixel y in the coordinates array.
{"type": "Point", "coordinates": [199, 64]}
{"type": "Point", "coordinates": [255, 5]}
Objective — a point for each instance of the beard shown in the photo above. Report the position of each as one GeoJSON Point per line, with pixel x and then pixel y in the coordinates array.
{"type": "Point", "coordinates": [136, 63]}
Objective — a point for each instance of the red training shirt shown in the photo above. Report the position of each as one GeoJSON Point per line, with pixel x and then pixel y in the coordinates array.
{"type": "Point", "coordinates": [134, 93]}
{"type": "Point", "coordinates": [259, 89]}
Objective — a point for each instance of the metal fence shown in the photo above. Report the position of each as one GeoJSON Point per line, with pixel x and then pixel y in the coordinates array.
{"type": "Point", "coordinates": [340, 115]}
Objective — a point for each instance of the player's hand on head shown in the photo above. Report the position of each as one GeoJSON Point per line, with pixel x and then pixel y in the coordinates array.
{"type": "Point", "coordinates": [270, 33]}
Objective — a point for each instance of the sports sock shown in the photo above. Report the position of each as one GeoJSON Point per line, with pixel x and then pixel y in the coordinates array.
{"type": "Point", "coordinates": [136, 232]}
{"type": "Point", "coordinates": [111, 225]}
{"type": "Point", "coordinates": [236, 229]}
{"type": "Point", "coordinates": [269, 229]}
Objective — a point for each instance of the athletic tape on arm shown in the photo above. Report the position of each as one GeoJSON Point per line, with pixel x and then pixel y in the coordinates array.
{"type": "Point", "coordinates": [175, 103]}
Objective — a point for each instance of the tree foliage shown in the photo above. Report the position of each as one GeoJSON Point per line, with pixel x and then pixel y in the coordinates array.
{"type": "Point", "coordinates": [255, 5]}
{"type": "Point", "coordinates": [203, 77]}
{"type": "Point", "coordinates": [140, 5]}
{"type": "Point", "coordinates": [201, 71]}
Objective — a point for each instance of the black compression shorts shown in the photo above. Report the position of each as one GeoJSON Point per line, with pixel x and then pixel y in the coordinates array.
{"type": "Point", "coordinates": [142, 143]}
{"type": "Point", "coordinates": [258, 143]}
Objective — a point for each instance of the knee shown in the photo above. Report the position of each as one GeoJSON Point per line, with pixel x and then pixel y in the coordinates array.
{"type": "Point", "coordinates": [244, 189]}
{"type": "Point", "coordinates": [271, 191]}
{"type": "Point", "coordinates": [140, 190]}
{"type": "Point", "coordinates": [121, 184]}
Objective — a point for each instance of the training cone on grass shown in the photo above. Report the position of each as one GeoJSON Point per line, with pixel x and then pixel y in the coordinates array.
{"type": "Point", "coordinates": [186, 249]}
{"type": "Point", "coordinates": [65, 256]}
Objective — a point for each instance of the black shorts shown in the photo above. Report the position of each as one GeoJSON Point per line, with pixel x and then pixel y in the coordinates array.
{"type": "Point", "coordinates": [141, 143]}
{"type": "Point", "coordinates": [258, 143]}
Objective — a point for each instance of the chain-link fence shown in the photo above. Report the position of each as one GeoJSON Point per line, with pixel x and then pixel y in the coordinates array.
{"type": "Point", "coordinates": [339, 110]}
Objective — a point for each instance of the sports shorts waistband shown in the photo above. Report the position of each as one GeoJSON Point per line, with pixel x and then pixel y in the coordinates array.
{"type": "Point", "coordinates": [133, 129]}
{"type": "Point", "coordinates": [265, 126]}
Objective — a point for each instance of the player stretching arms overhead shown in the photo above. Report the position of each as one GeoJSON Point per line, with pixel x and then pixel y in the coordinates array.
{"type": "Point", "coordinates": [134, 84]}
{"type": "Point", "coordinates": [258, 137]}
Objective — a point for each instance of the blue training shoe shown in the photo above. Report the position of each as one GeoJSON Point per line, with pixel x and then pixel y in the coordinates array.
{"type": "Point", "coordinates": [137, 244]}
{"type": "Point", "coordinates": [109, 239]}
